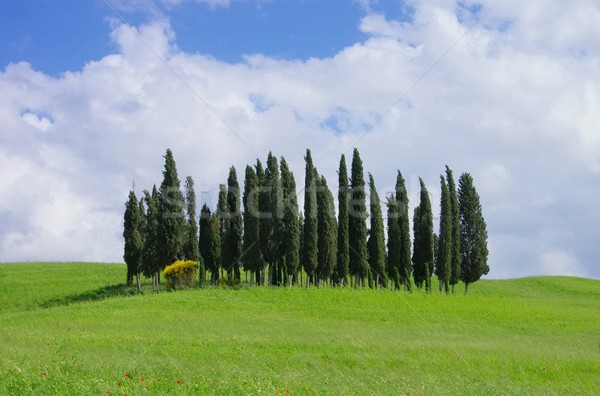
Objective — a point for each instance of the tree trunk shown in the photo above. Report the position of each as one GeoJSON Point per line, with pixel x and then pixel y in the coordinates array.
{"type": "Point", "coordinates": [356, 281]}
{"type": "Point", "coordinates": [441, 286]}
{"type": "Point", "coordinates": [453, 291]}
{"type": "Point", "coordinates": [138, 281]}
{"type": "Point", "coordinates": [251, 278]}
{"type": "Point", "coordinates": [466, 287]}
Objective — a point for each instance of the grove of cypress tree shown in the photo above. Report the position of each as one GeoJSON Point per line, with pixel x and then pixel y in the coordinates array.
{"type": "Point", "coordinates": [310, 246]}
{"type": "Point", "coordinates": [326, 232]}
{"type": "Point", "coordinates": [251, 238]}
{"type": "Point", "coordinates": [343, 249]}
{"type": "Point", "coordinates": [473, 231]}
{"type": "Point", "coordinates": [151, 259]}
{"type": "Point", "coordinates": [404, 225]}
{"type": "Point", "coordinates": [232, 247]}
{"type": "Point", "coordinates": [290, 225]}
{"type": "Point", "coordinates": [444, 244]}
{"type": "Point", "coordinates": [133, 233]}
{"type": "Point", "coordinates": [455, 263]}
{"type": "Point", "coordinates": [172, 219]}
{"type": "Point", "coordinates": [190, 248]}
{"type": "Point", "coordinates": [376, 241]}
{"type": "Point", "coordinates": [423, 240]}
{"type": "Point", "coordinates": [357, 226]}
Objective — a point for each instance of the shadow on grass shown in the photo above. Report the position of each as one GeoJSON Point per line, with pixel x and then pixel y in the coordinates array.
{"type": "Point", "coordinates": [101, 293]}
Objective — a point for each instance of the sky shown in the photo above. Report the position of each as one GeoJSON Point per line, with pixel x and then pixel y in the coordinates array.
{"type": "Point", "coordinates": [94, 92]}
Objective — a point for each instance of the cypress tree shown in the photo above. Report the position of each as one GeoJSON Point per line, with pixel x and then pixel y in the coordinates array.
{"type": "Point", "coordinates": [301, 255]}
{"type": "Point", "coordinates": [290, 225]}
{"type": "Point", "coordinates": [423, 240]}
{"type": "Point", "coordinates": [223, 223]}
{"type": "Point", "coordinates": [191, 249]}
{"type": "Point", "coordinates": [151, 259]}
{"type": "Point", "coordinates": [376, 241]}
{"type": "Point", "coordinates": [133, 234]}
{"type": "Point", "coordinates": [473, 232]}
{"type": "Point", "coordinates": [251, 238]}
{"type": "Point", "coordinates": [343, 249]}
{"type": "Point", "coordinates": [212, 251]}
{"type": "Point", "coordinates": [204, 243]}
{"type": "Point", "coordinates": [264, 219]}
{"type": "Point", "coordinates": [172, 219]}
{"type": "Point", "coordinates": [232, 250]}
{"type": "Point", "coordinates": [326, 232]}
{"type": "Point", "coordinates": [455, 263]}
{"type": "Point", "coordinates": [310, 247]}
{"type": "Point", "coordinates": [274, 197]}
{"type": "Point", "coordinates": [444, 241]}
{"type": "Point", "coordinates": [393, 242]}
{"type": "Point", "coordinates": [404, 227]}
{"type": "Point", "coordinates": [357, 226]}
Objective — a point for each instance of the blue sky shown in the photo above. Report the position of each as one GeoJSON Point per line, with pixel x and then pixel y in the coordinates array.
{"type": "Point", "coordinates": [62, 35]}
{"type": "Point", "coordinates": [90, 101]}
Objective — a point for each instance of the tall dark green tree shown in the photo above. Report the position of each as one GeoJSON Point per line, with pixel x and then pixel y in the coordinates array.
{"type": "Point", "coordinates": [172, 219]}
{"type": "Point", "coordinates": [473, 232]}
{"type": "Point", "coordinates": [376, 241]}
{"type": "Point", "coordinates": [232, 246]}
{"type": "Point", "coordinates": [326, 232]}
{"type": "Point", "coordinates": [357, 225]}
{"type": "Point", "coordinates": [423, 240]}
{"type": "Point", "coordinates": [251, 238]}
{"type": "Point", "coordinates": [151, 252]}
{"type": "Point", "coordinates": [343, 248]}
{"type": "Point", "coordinates": [393, 242]}
{"type": "Point", "coordinates": [290, 225]}
{"type": "Point", "coordinates": [265, 221]}
{"type": "Point", "coordinates": [444, 243]}
{"type": "Point", "coordinates": [310, 246]}
{"type": "Point", "coordinates": [455, 263]}
{"type": "Point", "coordinates": [405, 268]}
{"type": "Point", "coordinates": [191, 249]}
{"type": "Point", "coordinates": [212, 253]}
{"type": "Point", "coordinates": [204, 242]}
{"type": "Point", "coordinates": [133, 233]}
{"type": "Point", "coordinates": [223, 217]}
{"type": "Point", "coordinates": [271, 204]}
{"type": "Point", "coordinates": [299, 279]}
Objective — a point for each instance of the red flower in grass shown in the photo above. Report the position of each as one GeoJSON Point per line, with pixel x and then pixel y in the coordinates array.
{"type": "Point", "coordinates": [142, 379]}
{"type": "Point", "coordinates": [119, 383]}
{"type": "Point", "coordinates": [178, 381]}
{"type": "Point", "coordinates": [127, 375]}
{"type": "Point", "coordinates": [45, 373]}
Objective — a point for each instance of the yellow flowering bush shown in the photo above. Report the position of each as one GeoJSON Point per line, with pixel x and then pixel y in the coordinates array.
{"type": "Point", "coordinates": [181, 273]}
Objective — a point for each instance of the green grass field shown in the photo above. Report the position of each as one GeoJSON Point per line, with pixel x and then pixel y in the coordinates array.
{"type": "Point", "coordinates": [72, 328]}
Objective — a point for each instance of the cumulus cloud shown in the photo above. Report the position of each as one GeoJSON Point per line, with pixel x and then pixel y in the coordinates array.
{"type": "Point", "coordinates": [516, 111]}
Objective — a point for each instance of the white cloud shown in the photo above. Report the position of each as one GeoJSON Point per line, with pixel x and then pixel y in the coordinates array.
{"type": "Point", "coordinates": [39, 122]}
{"type": "Point", "coordinates": [559, 262]}
{"type": "Point", "coordinates": [515, 111]}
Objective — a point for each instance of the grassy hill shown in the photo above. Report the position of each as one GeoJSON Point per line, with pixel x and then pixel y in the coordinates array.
{"type": "Point", "coordinates": [71, 328]}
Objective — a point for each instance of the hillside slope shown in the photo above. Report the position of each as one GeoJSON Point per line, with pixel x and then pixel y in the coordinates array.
{"type": "Point", "coordinates": [74, 322]}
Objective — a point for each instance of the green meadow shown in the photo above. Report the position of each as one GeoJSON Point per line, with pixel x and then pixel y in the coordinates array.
{"type": "Point", "coordinates": [74, 328]}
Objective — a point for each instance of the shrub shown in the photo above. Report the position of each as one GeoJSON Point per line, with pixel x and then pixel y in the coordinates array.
{"type": "Point", "coordinates": [181, 273]}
